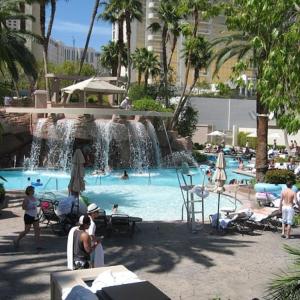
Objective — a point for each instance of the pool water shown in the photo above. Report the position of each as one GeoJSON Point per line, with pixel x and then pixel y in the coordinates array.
{"type": "Point", "coordinates": [153, 196]}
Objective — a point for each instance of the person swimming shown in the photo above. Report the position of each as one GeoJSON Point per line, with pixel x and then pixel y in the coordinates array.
{"type": "Point", "coordinates": [125, 175]}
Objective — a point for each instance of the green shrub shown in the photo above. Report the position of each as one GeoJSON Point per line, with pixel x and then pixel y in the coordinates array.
{"type": "Point", "coordinates": [278, 176]}
{"type": "Point", "coordinates": [199, 157]}
{"type": "Point", "coordinates": [187, 121]}
{"type": "Point", "coordinates": [148, 104]}
{"type": "Point", "coordinates": [243, 138]}
{"type": "Point", "coordinates": [136, 92]}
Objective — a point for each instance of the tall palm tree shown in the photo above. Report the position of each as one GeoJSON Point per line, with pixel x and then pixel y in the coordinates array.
{"type": "Point", "coordinates": [197, 52]}
{"type": "Point", "coordinates": [45, 36]}
{"type": "Point", "coordinates": [169, 17]}
{"type": "Point", "coordinates": [147, 63]}
{"type": "Point", "coordinates": [254, 43]}
{"type": "Point", "coordinates": [133, 11]}
{"type": "Point", "coordinates": [109, 57]}
{"type": "Point", "coordinates": [113, 13]}
{"type": "Point", "coordinates": [13, 51]}
{"type": "Point", "coordinates": [92, 21]}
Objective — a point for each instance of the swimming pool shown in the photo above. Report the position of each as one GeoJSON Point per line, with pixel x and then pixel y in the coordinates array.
{"type": "Point", "coordinates": [153, 196]}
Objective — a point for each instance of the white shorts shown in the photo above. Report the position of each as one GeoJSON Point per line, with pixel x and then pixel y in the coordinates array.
{"type": "Point", "coordinates": [287, 215]}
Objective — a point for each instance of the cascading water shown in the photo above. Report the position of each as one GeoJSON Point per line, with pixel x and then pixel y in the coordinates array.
{"type": "Point", "coordinates": [102, 141]}
{"type": "Point", "coordinates": [52, 147]}
{"type": "Point", "coordinates": [140, 146]}
{"type": "Point", "coordinates": [178, 158]}
{"type": "Point", "coordinates": [155, 143]}
{"type": "Point", "coordinates": [33, 161]}
{"type": "Point", "coordinates": [66, 129]}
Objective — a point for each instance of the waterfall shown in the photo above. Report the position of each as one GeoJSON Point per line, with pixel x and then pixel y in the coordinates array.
{"type": "Point", "coordinates": [33, 161]}
{"type": "Point", "coordinates": [140, 145]}
{"type": "Point", "coordinates": [66, 130]}
{"type": "Point", "coordinates": [101, 144]}
{"type": "Point", "coordinates": [52, 146]}
{"type": "Point", "coordinates": [155, 143]}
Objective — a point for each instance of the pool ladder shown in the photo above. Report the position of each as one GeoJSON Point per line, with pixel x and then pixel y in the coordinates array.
{"type": "Point", "coordinates": [190, 204]}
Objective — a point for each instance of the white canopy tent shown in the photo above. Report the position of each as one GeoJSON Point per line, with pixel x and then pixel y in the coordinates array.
{"type": "Point", "coordinates": [93, 85]}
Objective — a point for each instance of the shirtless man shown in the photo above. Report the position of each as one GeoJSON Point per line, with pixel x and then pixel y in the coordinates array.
{"type": "Point", "coordinates": [287, 200]}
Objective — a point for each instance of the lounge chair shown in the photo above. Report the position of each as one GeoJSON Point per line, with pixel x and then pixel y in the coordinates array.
{"type": "Point", "coordinates": [120, 223]}
{"type": "Point", "coordinates": [101, 223]}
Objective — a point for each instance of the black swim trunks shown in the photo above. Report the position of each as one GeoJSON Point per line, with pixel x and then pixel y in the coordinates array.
{"type": "Point", "coordinates": [30, 220]}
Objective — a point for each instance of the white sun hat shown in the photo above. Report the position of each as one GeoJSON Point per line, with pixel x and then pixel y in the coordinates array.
{"type": "Point", "coordinates": [92, 208]}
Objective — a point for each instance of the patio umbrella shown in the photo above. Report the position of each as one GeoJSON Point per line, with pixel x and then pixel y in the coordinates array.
{"type": "Point", "coordinates": [76, 183]}
{"type": "Point", "coordinates": [216, 133]}
{"type": "Point", "coordinates": [252, 134]}
{"type": "Point", "coordinates": [274, 135]}
{"type": "Point", "coordinates": [220, 178]}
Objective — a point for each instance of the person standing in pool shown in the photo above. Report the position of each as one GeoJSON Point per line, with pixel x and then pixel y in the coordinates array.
{"type": "Point", "coordinates": [30, 217]}
{"type": "Point", "coordinates": [125, 175]}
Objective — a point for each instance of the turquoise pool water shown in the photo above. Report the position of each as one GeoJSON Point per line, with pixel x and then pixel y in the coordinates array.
{"type": "Point", "coordinates": [153, 196]}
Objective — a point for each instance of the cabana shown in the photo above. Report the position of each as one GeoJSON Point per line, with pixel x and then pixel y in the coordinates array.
{"type": "Point", "coordinates": [94, 86]}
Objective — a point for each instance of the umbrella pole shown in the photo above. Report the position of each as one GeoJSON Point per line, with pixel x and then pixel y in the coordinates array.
{"type": "Point", "coordinates": [219, 195]}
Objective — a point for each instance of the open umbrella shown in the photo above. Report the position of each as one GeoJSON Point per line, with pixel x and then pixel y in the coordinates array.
{"type": "Point", "coordinates": [220, 178]}
{"type": "Point", "coordinates": [76, 183]}
{"type": "Point", "coordinates": [216, 133]}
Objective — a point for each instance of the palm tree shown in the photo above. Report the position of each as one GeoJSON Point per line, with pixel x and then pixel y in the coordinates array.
{"type": "Point", "coordinates": [114, 14]}
{"type": "Point", "coordinates": [94, 14]}
{"type": "Point", "coordinates": [109, 57]}
{"type": "Point", "coordinates": [13, 51]}
{"type": "Point", "coordinates": [197, 54]}
{"type": "Point", "coordinates": [138, 62]}
{"type": "Point", "coordinates": [169, 17]}
{"type": "Point", "coordinates": [254, 44]}
{"type": "Point", "coordinates": [45, 36]}
{"type": "Point", "coordinates": [133, 11]}
{"type": "Point", "coordinates": [286, 286]}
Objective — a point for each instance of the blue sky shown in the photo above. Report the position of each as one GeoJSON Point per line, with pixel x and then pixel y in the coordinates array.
{"type": "Point", "coordinates": [72, 22]}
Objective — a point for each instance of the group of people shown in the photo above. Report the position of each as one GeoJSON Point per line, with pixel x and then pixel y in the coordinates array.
{"type": "Point", "coordinates": [83, 246]}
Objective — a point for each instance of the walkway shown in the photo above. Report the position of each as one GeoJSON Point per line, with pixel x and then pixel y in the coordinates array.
{"type": "Point", "coordinates": [185, 266]}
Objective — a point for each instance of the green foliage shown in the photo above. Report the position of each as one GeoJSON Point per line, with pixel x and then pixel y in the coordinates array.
{"type": "Point", "coordinates": [243, 138]}
{"type": "Point", "coordinates": [278, 176]}
{"type": "Point", "coordinates": [296, 220]}
{"type": "Point", "coordinates": [137, 92]}
{"type": "Point", "coordinates": [197, 146]}
{"type": "Point", "coordinates": [148, 104]}
{"type": "Point", "coordinates": [224, 89]}
{"type": "Point", "coordinates": [199, 157]}
{"type": "Point", "coordinates": [286, 285]}
{"type": "Point", "coordinates": [187, 122]}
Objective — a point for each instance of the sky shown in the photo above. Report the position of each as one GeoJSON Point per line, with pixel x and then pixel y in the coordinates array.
{"type": "Point", "coordinates": [72, 21]}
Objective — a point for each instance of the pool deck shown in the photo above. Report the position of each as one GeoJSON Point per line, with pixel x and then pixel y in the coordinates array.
{"type": "Point", "coordinates": [183, 265]}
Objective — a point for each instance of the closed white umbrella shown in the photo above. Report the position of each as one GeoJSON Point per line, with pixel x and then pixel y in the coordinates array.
{"type": "Point", "coordinates": [220, 179]}
{"type": "Point", "coordinates": [77, 173]}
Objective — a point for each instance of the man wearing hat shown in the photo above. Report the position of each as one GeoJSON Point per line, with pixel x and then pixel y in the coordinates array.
{"type": "Point", "coordinates": [97, 256]}
{"type": "Point", "coordinates": [125, 104]}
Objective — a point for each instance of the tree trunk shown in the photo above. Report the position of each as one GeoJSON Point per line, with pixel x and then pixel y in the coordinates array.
{"type": "Point", "coordinates": [172, 51]}
{"type": "Point", "coordinates": [165, 63]}
{"type": "Point", "coordinates": [146, 79]}
{"type": "Point", "coordinates": [82, 59]}
{"type": "Point", "coordinates": [187, 70]}
{"type": "Point", "coordinates": [120, 47]}
{"type": "Point", "coordinates": [139, 77]}
{"type": "Point", "coordinates": [262, 140]}
{"type": "Point", "coordinates": [128, 35]}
